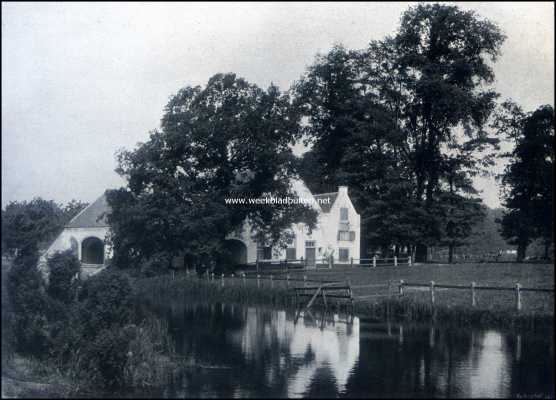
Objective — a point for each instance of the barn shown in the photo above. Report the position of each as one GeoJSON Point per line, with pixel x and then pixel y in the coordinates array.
{"type": "Point", "coordinates": [86, 236]}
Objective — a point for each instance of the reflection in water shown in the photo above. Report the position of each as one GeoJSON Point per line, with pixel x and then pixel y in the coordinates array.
{"type": "Point", "coordinates": [258, 352]}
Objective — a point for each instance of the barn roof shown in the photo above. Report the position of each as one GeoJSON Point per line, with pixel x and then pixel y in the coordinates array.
{"type": "Point", "coordinates": [326, 205]}
{"type": "Point", "coordinates": [94, 215]}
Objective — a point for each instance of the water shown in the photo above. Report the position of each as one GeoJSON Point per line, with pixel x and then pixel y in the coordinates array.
{"type": "Point", "coordinates": [259, 352]}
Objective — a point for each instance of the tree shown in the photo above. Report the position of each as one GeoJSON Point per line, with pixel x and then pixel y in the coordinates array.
{"type": "Point", "coordinates": [36, 222]}
{"type": "Point", "coordinates": [228, 139]}
{"type": "Point", "coordinates": [386, 118]}
{"type": "Point", "coordinates": [527, 187]}
{"type": "Point", "coordinates": [441, 57]}
{"type": "Point", "coordinates": [63, 267]}
{"type": "Point", "coordinates": [31, 223]}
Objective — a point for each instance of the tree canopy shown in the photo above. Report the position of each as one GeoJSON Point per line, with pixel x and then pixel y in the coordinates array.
{"type": "Point", "coordinates": [403, 122]}
{"type": "Point", "coordinates": [228, 139]}
{"type": "Point", "coordinates": [527, 182]}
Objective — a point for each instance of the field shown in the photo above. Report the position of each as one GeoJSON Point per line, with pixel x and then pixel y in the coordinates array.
{"type": "Point", "coordinates": [484, 274]}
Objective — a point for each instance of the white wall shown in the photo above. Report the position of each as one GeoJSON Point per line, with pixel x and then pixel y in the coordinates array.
{"type": "Point", "coordinates": [325, 234]}
{"type": "Point", "coordinates": [63, 242]}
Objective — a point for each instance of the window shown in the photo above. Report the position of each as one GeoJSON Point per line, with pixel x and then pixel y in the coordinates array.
{"type": "Point", "coordinates": [310, 243]}
{"type": "Point", "coordinates": [343, 214]}
{"type": "Point", "coordinates": [343, 255]}
{"type": "Point", "coordinates": [291, 253]}
{"type": "Point", "coordinates": [343, 235]}
{"type": "Point", "coordinates": [264, 253]}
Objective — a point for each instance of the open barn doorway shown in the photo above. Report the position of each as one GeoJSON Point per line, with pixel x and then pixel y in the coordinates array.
{"type": "Point", "coordinates": [92, 251]}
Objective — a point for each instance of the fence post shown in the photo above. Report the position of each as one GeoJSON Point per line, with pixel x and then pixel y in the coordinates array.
{"type": "Point", "coordinates": [330, 262]}
{"type": "Point", "coordinates": [401, 287]}
{"type": "Point", "coordinates": [518, 296]}
{"type": "Point", "coordinates": [409, 260]}
{"type": "Point", "coordinates": [395, 261]}
{"type": "Point", "coordinates": [351, 262]}
{"type": "Point", "coordinates": [389, 288]}
{"type": "Point", "coordinates": [271, 282]}
{"type": "Point", "coordinates": [244, 283]}
{"type": "Point", "coordinates": [304, 280]}
{"type": "Point", "coordinates": [473, 298]}
{"type": "Point", "coordinates": [258, 281]}
{"type": "Point", "coordinates": [222, 280]}
{"type": "Point", "coordinates": [374, 261]}
{"type": "Point", "coordinates": [432, 293]}
{"type": "Point", "coordinates": [257, 264]}
{"type": "Point", "coordinates": [286, 264]}
{"type": "Point", "coordinates": [288, 280]}
{"type": "Point", "coordinates": [212, 276]}
{"type": "Point", "coordinates": [232, 280]}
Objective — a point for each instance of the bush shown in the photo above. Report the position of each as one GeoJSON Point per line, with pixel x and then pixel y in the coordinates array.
{"type": "Point", "coordinates": [28, 300]}
{"type": "Point", "coordinates": [105, 300]}
{"type": "Point", "coordinates": [156, 265]}
{"type": "Point", "coordinates": [107, 356]}
{"type": "Point", "coordinates": [63, 267]}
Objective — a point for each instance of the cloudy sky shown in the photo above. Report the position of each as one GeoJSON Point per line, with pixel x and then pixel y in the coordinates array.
{"type": "Point", "coordinates": [81, 80]}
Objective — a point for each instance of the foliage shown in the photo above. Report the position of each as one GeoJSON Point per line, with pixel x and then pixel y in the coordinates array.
{"type": "Point", "coordinates": [527, 180]}
{"type": "Point", "coordinates": [228, 139]}
{"type": "Point", "coordinates": [63, 268]}
{"type": "Point", "coordinates": [397, 121]}
{"type": "Point", "coordinates": [106, 357]}
{"type": "Point", "coordinates": [105, 301]}
{"type": "Point", "coordinates": [156, 264]}
{"type": "Point", "coordinates": [27, 296]}
{"type": "Point", "coordinates": [34, 223]}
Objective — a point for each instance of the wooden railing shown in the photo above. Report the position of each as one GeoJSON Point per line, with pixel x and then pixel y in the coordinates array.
{"type": "Point", "coordinates": [473, 288]}
{"type": "Point", "coordinates": [328, 263]}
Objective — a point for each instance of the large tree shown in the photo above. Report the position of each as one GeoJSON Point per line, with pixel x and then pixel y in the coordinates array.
{"type": "Point", "coordinates": [227, 139]}
{"type": "Point", "coordinates": [386, 118]}
{"type": "Point", "coordinates": [441, 57]}
{"type": "Point", "coordinates": [35, 223]}
{"type": "Point", "coordinates": [527, 186]}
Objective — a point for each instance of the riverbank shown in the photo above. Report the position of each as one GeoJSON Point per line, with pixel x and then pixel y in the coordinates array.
{"type": "Point", "coordinates": [408, 308]}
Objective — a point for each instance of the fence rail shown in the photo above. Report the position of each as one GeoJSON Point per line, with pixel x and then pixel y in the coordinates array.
{"type": "Point", "coordinates": [327, 263]}
{"type": "Point", "coordinates": [432, 286]}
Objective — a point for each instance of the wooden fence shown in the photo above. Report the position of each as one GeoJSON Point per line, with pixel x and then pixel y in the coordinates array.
{"type": "Point", "coordinates": [289, 281]}
{"type": "Point", "coordinates": [327, 263]}
{"type": "Point", "coordinates": [473, 288]}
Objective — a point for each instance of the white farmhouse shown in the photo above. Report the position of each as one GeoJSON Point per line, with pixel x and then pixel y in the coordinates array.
{"type": "Point", "coordinates": [337, 234]}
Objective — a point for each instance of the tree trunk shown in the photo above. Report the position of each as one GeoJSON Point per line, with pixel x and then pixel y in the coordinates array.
{"type": "Point", "coordinates": [420, 253]}
{"type": "Point", "coordinates": [521, 250]}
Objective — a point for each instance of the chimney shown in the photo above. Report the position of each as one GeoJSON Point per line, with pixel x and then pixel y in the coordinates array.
{"type": "Point", "coordinates": [343, 189]}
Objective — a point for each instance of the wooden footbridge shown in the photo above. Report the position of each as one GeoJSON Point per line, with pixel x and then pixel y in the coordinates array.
{"type": "Point", "coordinates": [337, 292]}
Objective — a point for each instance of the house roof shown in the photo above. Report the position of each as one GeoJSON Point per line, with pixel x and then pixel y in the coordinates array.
{"type": "Point", "coordinates": [94, 215]}
{"type": "Point", "coordinates": [326, 200]}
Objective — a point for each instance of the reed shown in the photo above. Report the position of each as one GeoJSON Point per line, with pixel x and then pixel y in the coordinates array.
{"type": "Point", "coordinates": [161, 289]}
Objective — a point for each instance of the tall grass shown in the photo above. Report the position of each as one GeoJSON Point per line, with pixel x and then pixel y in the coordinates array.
{"type": "Point", "coordinates": [162, 289]}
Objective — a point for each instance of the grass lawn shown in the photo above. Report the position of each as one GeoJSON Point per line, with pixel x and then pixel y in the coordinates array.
{"type": "Point", "coordinates": [484, 274]}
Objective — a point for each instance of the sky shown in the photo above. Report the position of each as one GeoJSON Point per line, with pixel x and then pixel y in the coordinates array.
{"type": "Point", "coordinates": [82, 80]}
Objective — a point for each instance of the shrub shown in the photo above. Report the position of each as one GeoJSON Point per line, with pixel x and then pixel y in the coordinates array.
{"type": "Point", "coordinates": [105, 300]}
{"type": "Point", "coordinates": [63, 267]}
{"type": "Point", "coordinates": [28, 300]}
{"type": "Point", "coordinates": [156, 265]}
{"type": "Point", "coordinates": [107, 355]}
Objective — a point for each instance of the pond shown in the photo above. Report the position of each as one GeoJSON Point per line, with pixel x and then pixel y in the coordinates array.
{"type": "Point", "coordinates": [243, 351]}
